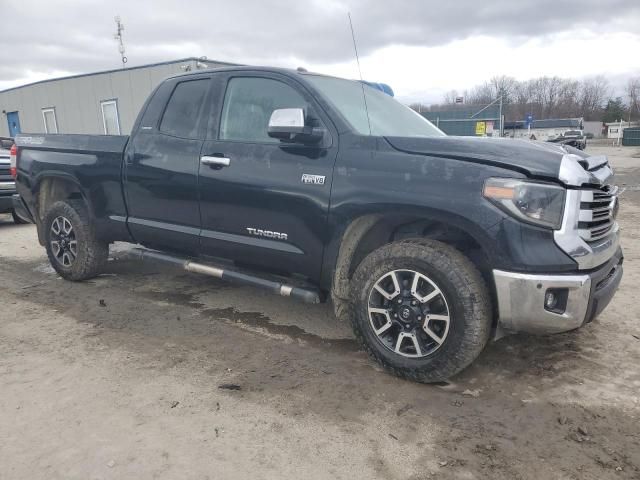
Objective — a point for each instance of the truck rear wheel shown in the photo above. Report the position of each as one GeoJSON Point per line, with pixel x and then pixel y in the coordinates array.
{"type": "Point", "coordinates": [421, 309]}
{"type": "Point", "coordinates": [72, 247]}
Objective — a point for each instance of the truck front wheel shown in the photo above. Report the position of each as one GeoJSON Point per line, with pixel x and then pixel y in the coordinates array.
{"type": "Point", "coordinates": [72, 247]}
{"type": "Point", "coordinates": [421, 309]}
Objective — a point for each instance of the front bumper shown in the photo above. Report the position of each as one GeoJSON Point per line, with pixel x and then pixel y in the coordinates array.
{"type": "Point", "coordinates": [521, 298]}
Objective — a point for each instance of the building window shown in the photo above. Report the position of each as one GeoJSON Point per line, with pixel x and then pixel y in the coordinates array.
{"type": "Point", "coordinates": [110, 117]}
{"type": "Point", "coordinates": [50, 122]}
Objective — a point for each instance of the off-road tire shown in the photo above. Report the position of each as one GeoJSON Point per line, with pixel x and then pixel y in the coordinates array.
{"type": "Point", "coordinates": [463, 286]}
{"type": "Point", "coordinates": [91, 255]}
{"type": "Point", "coordinates": [17, 219]}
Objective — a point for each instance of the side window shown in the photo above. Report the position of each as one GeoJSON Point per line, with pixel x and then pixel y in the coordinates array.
{"type": "Point", "coordinates": [248, 105]}
{"type": "Point", "coordinates": [184, 109]}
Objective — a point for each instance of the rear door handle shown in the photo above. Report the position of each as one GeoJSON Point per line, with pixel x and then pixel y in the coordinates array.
{"type": "Point", "coordinates": [215, 161]}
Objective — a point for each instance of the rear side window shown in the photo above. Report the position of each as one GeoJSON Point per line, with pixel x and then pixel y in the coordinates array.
{"type": "Point", "coordinates": [184, 109]}
{"type": "Point", "coordinates": [248, 105]}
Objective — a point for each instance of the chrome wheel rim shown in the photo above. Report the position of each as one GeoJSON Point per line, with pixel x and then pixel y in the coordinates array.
{"type": "Point", "coordinates": [64, 244]}
{"type": "Point", "coordinates": [409, 314]}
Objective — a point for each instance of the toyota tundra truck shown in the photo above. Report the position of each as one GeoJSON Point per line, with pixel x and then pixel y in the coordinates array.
{"type": "Point", "coordinates": [321, 188]}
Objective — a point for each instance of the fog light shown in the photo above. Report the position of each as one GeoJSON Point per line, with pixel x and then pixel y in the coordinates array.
{"type": "Point", "coordinates": [555, 300]}
{"type": "Point", "coordinates": [550, 300]}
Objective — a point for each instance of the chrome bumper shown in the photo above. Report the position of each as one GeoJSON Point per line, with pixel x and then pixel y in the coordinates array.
{"type": "Point", "coordinates": [521, 301]}
{"type": "Point", "coordinates": [521, 298]}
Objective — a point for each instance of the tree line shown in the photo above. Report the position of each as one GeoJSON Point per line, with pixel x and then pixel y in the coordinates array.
{"type": "Point", "coordinates": [551, 97]}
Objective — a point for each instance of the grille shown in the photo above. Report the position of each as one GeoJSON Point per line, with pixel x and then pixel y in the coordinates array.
{"type": "Point", "coordinates": [598, 209]}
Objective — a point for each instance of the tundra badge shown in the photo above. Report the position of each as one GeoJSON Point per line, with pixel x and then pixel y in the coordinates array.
{"type": "Point", "coordinates": [312, 179]}
{"type": "Point", "coordinates": [258, 232]}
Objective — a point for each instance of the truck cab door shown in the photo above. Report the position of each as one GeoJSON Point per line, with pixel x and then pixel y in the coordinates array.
{"type": "Point", "coordinates": [264, 203]}
{"type": "Point", "coordinates": [161, 166]}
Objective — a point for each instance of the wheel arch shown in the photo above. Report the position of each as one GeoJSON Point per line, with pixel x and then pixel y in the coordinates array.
{"type": "Point", "coordinates": [368, 232]}
{"type": "Point", "coordinates": [51, 188]}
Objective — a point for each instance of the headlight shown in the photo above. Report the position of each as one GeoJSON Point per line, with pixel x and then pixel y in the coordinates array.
{"type": "Point", "coordinates": [538, 203]}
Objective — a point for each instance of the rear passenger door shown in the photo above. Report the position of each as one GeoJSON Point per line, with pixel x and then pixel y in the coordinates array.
{"type": "Point", "coordinates": [161, 166]}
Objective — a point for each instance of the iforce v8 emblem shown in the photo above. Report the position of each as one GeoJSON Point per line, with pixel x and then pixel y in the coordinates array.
{"type": "Point", "coordinates": [312, 179]}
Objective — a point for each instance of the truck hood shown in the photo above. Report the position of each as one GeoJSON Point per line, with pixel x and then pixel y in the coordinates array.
{"type": "Point", "coordinates": [534, 159]}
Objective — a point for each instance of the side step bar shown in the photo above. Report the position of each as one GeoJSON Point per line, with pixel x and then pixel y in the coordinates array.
{"type": "Point", "coordinates": [304, 294]}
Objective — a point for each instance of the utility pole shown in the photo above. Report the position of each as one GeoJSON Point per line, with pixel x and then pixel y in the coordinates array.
{"type": "Point", "coordinates": [501, 122]}
{"type": "Point", "coordinates": [118, 36]}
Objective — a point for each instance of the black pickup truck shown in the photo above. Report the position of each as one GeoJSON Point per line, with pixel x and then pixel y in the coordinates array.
{"type": "Point", "coordinates": [429, 245]}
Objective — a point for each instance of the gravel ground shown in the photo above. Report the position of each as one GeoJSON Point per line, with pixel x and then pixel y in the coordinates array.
{"type": "Point", "coordinates": [123, 376]}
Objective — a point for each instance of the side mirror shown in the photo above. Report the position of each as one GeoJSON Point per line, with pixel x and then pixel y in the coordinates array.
{"type": "Point", "coordinates": [287, 125]}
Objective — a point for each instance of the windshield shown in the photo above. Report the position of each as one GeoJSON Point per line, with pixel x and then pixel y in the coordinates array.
{"type": "Point", "coordinates": [388, 117]}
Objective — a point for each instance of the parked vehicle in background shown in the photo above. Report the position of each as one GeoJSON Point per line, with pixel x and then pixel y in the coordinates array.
{"type": "Point", "coordinates": [429, 245]}
{"type": "Point", "coordinates": [7, 182]}
{"type": "Point", "coordinates": [573, 138]}
{"type": "Point", "coordinates": [6, 143]}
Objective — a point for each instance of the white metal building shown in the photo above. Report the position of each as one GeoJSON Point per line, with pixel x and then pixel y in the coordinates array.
{"type": "Point", "coordinates": [93, 103]}
{"type": "Point", "coordinates": [616, 129]}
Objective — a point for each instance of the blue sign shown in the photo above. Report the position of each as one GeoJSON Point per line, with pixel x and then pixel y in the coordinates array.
{"type": "Point", "coordinates": [528, 120]}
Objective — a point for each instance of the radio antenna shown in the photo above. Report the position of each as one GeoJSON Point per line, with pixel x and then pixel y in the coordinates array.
{"type": "Point", "coordinates": [355, 48]}
{"type": "Point", "coordinates": [118, 37]}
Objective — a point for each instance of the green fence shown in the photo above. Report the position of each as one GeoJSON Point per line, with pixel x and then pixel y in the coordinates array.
{"type": "Point", "coordinates": [467, 120]}
{"type": "Point", "coordinates": [631, 137]}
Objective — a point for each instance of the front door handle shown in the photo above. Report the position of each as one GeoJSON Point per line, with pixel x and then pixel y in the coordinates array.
{"type": "Point", "coordinates": [215, 161]}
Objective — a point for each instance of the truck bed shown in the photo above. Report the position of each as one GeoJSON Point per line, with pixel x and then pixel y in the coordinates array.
{"type": "Point", "coordinates": [92, 162]}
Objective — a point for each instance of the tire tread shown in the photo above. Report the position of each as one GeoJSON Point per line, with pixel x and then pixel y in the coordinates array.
{"type": "Point", "coordinates": [95, 253]}
{"type": "Point", "coordinates": [466, 277]}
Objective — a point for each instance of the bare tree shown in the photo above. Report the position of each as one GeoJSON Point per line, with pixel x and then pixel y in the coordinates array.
{"type": "Point", "coordinates": [567, 103]}
{"type": "Point", "coordinates": [548, 97]}
{"type": "Point", "coordinates": [633, 91]}
{"type": "Point", "coordinates": [594, 92]}
{"type": "Point", "coordinates": [481, 94]}
{"type": "Point", "coordinates": [450, 97]}
{"type": "Point", "coordinates": [523, 100]}
{"type": "Point", "coordinates": [503, 85]}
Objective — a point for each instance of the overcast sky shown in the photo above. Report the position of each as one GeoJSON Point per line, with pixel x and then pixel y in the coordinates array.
{"type": "Point", "coordinates": [422, 48]}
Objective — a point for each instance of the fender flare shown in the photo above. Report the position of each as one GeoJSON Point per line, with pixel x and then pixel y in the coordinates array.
{"type": "Point", "coordinates": [357, 229]}
{"type": "Point", "coordinates": [35, 191]}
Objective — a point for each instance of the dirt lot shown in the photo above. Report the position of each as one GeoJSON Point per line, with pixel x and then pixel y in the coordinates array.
{"type": "Point", "coordinates": [120, 377]}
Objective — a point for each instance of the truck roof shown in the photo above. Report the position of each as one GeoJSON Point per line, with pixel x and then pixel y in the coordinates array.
{"type": "Point", "coordinates": [247, 68]}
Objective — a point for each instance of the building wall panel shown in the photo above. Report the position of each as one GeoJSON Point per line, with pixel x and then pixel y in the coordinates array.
{"type": "Point", "coordinates": [77, 99]}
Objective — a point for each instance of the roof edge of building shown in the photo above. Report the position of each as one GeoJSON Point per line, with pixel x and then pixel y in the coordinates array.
{"type": "Point", "coordinates": [114, 70]}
